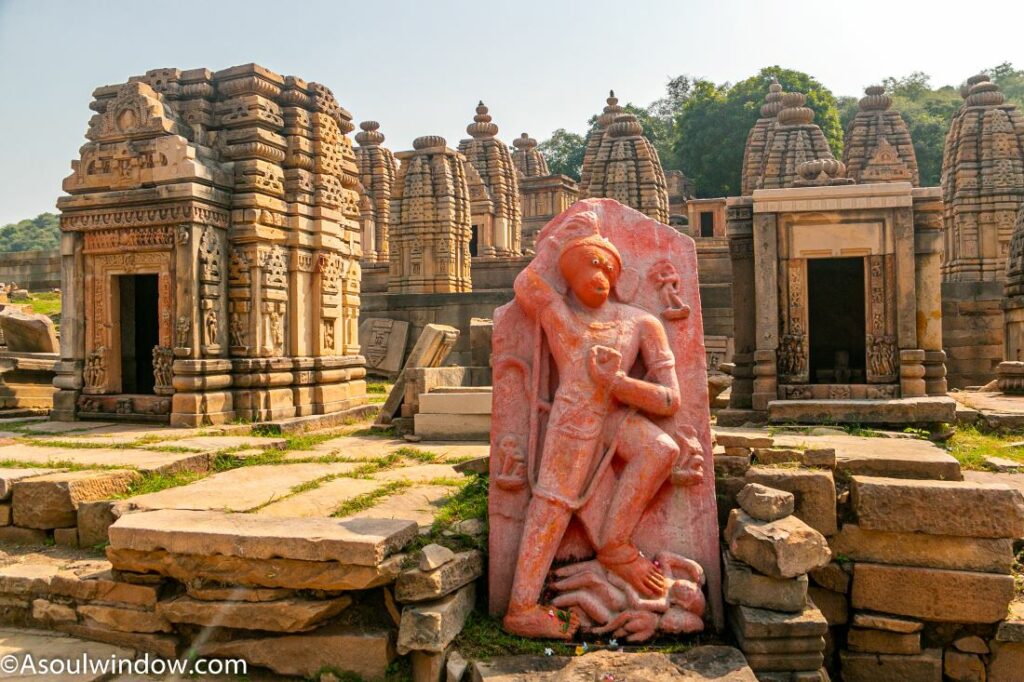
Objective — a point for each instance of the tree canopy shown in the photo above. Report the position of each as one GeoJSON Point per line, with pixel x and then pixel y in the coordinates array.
{"type": "Point", "coordinates": [39, 233]}
{"type": "Point", "coordinates": [701, 127]}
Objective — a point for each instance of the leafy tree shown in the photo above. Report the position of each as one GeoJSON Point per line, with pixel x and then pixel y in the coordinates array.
{"type": "Point", "coordinates": [1010, 81]}
{"type": "Point", "coordinates": [564, 152]}
{"type": "Point", "coordinates": [711, 131]}
{"type": "Point", "coordinates": [39, 233]}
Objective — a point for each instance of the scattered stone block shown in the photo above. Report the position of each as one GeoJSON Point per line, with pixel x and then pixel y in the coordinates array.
{"type": "Point", "coordinates": [432, 626]}
{"type": "Point", "coordinates": [66, 537]}
{"type": "Point", "coordinates": [455, 668]}
{"type": "Point", "coordinates": [738, 440]}
{"type": "Point", "coordinates": [977, 510]}
{"type": "Point", "coordinates": [28, 332]}
{"type": "Point", "coordinates": [924, 410]}
{"type": "Point", "coordinates": [359, 541]}
{"type": "Point", "coordinates": [831, 576]}
{"type": "Point", "coordinates": [27, 579]}
{"type": "Point", "coordinates": [383, 340]}
{"type": "Point", "coordinates": [94, 518]}
{"type": "Point", "coordinates": [737, 452]}
{"type": "Point", "coordinates": [1003, 465]}
{"type": "Point", "coordinates": [752, 623]}
{"type": "Point", "coordinates": [101, 587]}
{"type": "Point", "coordinates": [287, 573]}
{"type": "Point", "coordinates": [50, 612]}
{"type": "Point", "coordinates": [883, 642]}
{"type": "Point", "coordinates": [731, 465]}
{"type": "Point", "coordinates": [236, 593]}
{"type": "Point", "coordinates": [363, 651]}
{"type": "Point", "coordinates": [431, 349]}
{"type": "Point", "coordinates": [452, 426]}
{"type": "Point", "coordinates": [470, 402]}
{"type": "Point", "coordinates": [743, 586]}
{"type": "Point", "coordinates": [434, 555]}
{"type": "Point", "coordinates": [428, 666]}
{"type": "Point", "coordinates": [815, 493]}
{"type": "Point", "coordinates": [963, 667]}
{"type": "Point", "coordinates": [820, 457]}
{"type": "Point", "coordinates": [877, 621]}
{"type": "Point", "coordinates": [862, 667]}
{"type": "Point", "coordinates": [1012, 628]}
{"type": "Point", "coordinates": [784, 548]}
{"type": "Point", "coordinates": [1007, 662]}
{"type": "Point", "coordinates": [283, 615]}
{"type": "Point", "coordinates": [5, 514]}
{"type": "Point", "coordinates": [785, 662]}
{"type": "Point", "coordinates": [123, 619]}
{"type": "Point", "coordinates": [417, 585]}
{"type": "Point", "coordinates": [769, 456]}
{"type": "Point", "coordinates": [764, 503]}
{"type": "Point", "coordinates": [931, 594]}
{"type": "Point", "coordinates": [8, 477]}
{"type": "Point", "coordinates": [51, 501]}
{"type": "Point", "coordinates": [832, 604]}
{"type": "Point", "coordinates": [782, 645]}
{"type": "Point", "coordinates": [971, 644]}
{"type": "Point", "coordinates": [14, 535]}
{"type": "Point", "coordinates": [478, 465]}
{"type": "Point", "coordinates": [987, 555]}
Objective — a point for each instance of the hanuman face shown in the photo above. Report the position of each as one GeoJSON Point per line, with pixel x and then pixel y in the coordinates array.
{"type": "Point", "coordinates": [591, 272]}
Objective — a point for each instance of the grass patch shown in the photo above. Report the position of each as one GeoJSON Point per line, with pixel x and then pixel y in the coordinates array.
{"type": "Point", "coordinates": [483, 638]}
{"type": "Point", "coordinates": [372, 466]}
{"type": "Point", "coordinates": [155, 482]}
{"type": "Point", "coordinates": [378, 387]}
{"type": "Point", "coordinates": [366, 500]}
{"type": "Point", "coordinates": [423, 456]}
{"type": "Point", "coordinates": [970, 447]}
{"type": "Point", "coordinates": [225, 460]}
{"type": "Point", "coordinates": [57, 464]}
{"type": "Point", "coordinates": [46, 303]}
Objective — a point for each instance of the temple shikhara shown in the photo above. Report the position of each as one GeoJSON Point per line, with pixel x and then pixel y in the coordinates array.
{"type": "Point", "coordinates": [339, 405]}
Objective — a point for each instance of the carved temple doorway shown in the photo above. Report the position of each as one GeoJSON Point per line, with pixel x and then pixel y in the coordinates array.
{"type": "Point", "coordinates": [836, 320]}
{"type": "Point", "coordinates": [140, 331]}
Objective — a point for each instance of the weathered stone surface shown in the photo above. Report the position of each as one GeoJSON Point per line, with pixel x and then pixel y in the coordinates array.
{"type": "Point", "coordinates": [236, 593]}
{"type": "Point", "coordinates": [971, 644]}
{"type": "Point", "coordinates": [286, 573]}
{"type": "Point", "coordinates": [432, 626]}
{"type": "Point", "coordinates": [785, 662]}
{"type": "Point", "coordinates": [883, 642]}
{"type": "Point", "coordinates": [963, 667]}
{"type": "Point", "coordinates": [1012, 629]}
{"type": "Point", "coordinates": [987, 555]}
{"type": "Point", "coordinates": [9, 476]}
{"type": "Point", "coordinates": [48, 611]}
{"type": "Point", "coordinates": [282, 615]}
{"type": "Point", "coordinates": [428, 666]}
{"type": "Point", "coordinates": [784, 548]}
{"type": "Point", "coordinates": [831, 576]}
{"type": "Point", "coordinates": [754, 623]}
{"type": "Point", "coordinates": [749, 439]}
{"type": "Point", "coordinates": [51, 646]}
{"type": "Point", "coordinates": [22, 536]}
{"type": "Point", "coordinates": [144, 461]}
{"type": "Point", "coordinates": [94, 518]}
{"type": "Point", "coordinates": [123, 619]}
{"type": "Point", "coordinates": [815, 493]}
{"type": "Point", "coordinates": [764, 503]}
{"type": "Point", "coordinates": [51, 501]}
{"type": "Point", "coordinates": [781, 645]}
{"type": "Point", "coordinates": [860, 667]}
{"type": "Point", "coordinates": [832, 604]}
{"type": "Point", "coordinates": [931, 594]}
{"type": "Point", "coordinates": [102, 588]}
{"type": "Point", "coordinates": [363, 542]}
{"type": "Point", "coordinates": [364, 651]}
{"type": "Point", "coordinates": [417, 585]}
{"type": "Point", "coordinates": [27, 578]}
{"type": "Point", "coordinates": [731, 465]}
{"type": "Point", "coordinates": [899, 411]}
{"type": "Point", "coordinates": [703, 664]}
{"type": "Point", "coordinates": [1007, 662]}
{"type": "Point", "coordinates": [28, 332]}
{"type": "Point", "coordinates": [431, 349]}
{"type": "Point", "coordinates": [938, 507]}
{"type": "Point", "coordinates": [165, 646]}
{"type": "Point", "coordinates": [877, 621]}
{"type": "Point", "coordinates": [433, 556]}
{"type": "Point", "coordinates": [887, 457]}
{"type": "Point", "coordinates": [65, 537]}
{"type": "Point", "coordinates": [322, 500]}
{"type": "Point", "coordinates": [743, 586]}
{"type": "Point", "coordinates": [382, 341]}
{"type": "Point", "coordinates": [5, 514]}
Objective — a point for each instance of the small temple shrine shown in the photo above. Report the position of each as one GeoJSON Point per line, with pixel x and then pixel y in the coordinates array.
{"type": "Point", "coordinates": [377, 171]}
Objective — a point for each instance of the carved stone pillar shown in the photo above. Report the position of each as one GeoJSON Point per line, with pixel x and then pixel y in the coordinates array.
{"type": "Point", "coordinates": [72, 333]}
{"type": "Point", "coordinates": [766, 386]}
{"type": "Point", "coordinates": [935, 372]}
{"type": "Point", "coordinates": [741, 256]}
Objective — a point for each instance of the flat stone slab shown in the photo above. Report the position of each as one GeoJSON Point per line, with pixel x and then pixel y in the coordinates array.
{"type": "Point", "coordinates": [419, 473]}
{"type": "Point", "coordinates": [51, 501]}
{"type": "Point", "coordinates": [997, 409]}
{"type": "Point", "coordinates": [217, 443]}
{"type": "Point", "coordinates": [8, 477]}
{"type": "Point", "coordinates": [967, 509]}
{"type": "Point", "coordinates": [890, 457]}
{"type": "Point", "coordinates": [282, 615]}
{"type": "Point", "coordinates": [146, 461]}
{"type": "Point", "coordinates": [363, 542]}
{"type": "Point", "coordinates": [419, 504]}
{"type": "Point", "coordinates": [899, 411]}
{"type": "Point", "coordinates": [242, 489]}
{"type": "Point", "coordinates": [987, 555]}
{"type": "Point", "coordinates": [65, 427]}
{"type": "Point", "coordinates": [39, 644]}
{"type": "Point", "coordinates": [321, 501]}
{"type": "Point", "coordinates": [1012, 480]}
{"type": "Point", "coordinates": [703, 663]}
{"type": "Point", "coordinates": [367, 447]}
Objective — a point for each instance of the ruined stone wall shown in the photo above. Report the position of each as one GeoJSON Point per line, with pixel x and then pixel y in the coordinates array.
{"type": "Point", "coordinates": [32, 270]}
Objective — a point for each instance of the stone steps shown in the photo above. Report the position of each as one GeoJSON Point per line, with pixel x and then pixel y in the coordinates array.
{"type": "Point", "coordinates": [454, 414]}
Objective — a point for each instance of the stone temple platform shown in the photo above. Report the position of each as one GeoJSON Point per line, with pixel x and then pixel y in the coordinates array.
{"type": "Point", "coordinates": [900, 411]}
{"type": "Point", "coordinates": [994, 410]}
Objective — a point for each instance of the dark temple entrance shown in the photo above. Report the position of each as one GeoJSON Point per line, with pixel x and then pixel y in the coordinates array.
{"type": "Point", "coordinates": [835, 314]}
{"type": "Point", "coordinates": [140, 331]}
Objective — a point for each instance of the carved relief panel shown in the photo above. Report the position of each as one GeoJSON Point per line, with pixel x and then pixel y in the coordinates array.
{"type": "Point", "coordinates": [880, 323]}
{"type": "Point", "coordinates": [793, 342]}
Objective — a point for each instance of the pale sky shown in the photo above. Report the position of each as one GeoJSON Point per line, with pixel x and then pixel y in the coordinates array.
{"type": "Point", "coordinates": [420, 67]}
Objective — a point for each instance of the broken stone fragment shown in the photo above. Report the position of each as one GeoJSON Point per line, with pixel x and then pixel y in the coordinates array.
{"type": "Point", "coordinates": [743, 586]}
{"type": "Point", "coordinates": [51, 501]}
{"type": "Point", "coordinates": [435, 556]}
{"type": "Point", "coordinates": [433, 625]}
{"type": "Point", "coordinates": [283, 615]}
{"type": "Point", "coordinates": [814, 490]}
{"type": "Point", "coordinates": [764, 503]}
{"type": "Point", "coordinates": [417, 585]}
{"type": "Point", "coordinates": [784, 548]}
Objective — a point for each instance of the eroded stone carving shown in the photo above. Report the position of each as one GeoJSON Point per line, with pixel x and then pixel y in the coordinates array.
{"type": "Point", "coordinates": [163, 374]}
{"type": "Point", "coordinates": [602, 444]}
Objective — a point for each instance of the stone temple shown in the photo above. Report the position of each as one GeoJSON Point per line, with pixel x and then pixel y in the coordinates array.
{"type": "Point", "coordinates": [982, 190]}
{"type": "Point", "coordinates": [210, 252]}
{"type": "Point", "coordinates": [836, 295]}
